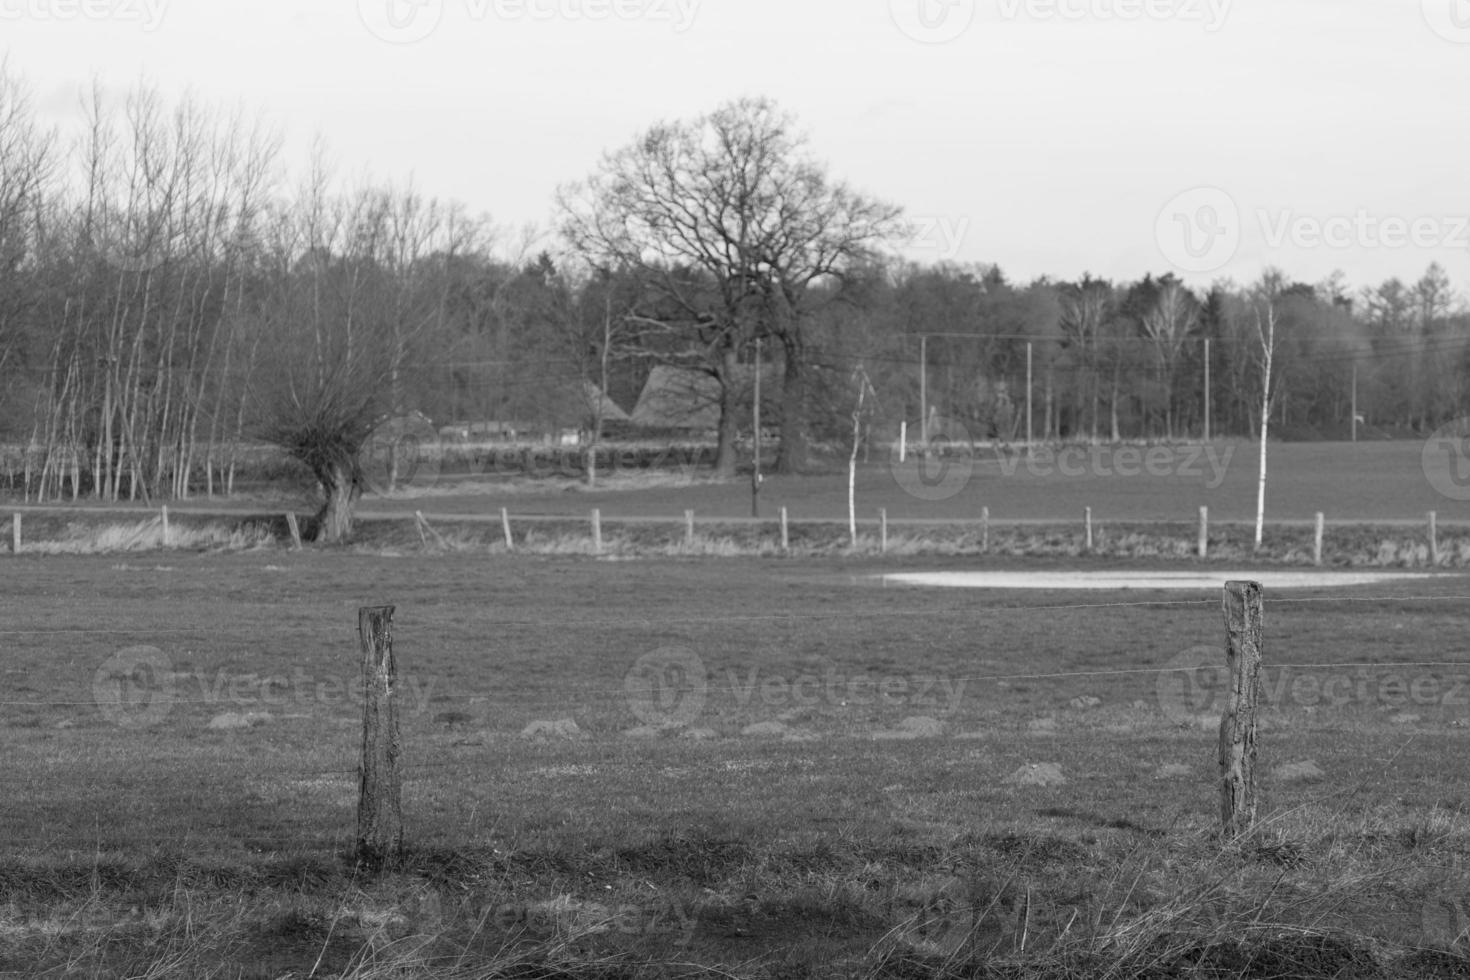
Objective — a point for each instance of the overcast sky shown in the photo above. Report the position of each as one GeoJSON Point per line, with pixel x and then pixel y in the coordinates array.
{"type": "Point", "coordinates": [1056, 137]}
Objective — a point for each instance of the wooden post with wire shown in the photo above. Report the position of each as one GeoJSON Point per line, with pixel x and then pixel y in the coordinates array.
{"type": "Point", "coordinates": [1087, 520]}
{"type": "Point", "coordinates": [785, 533]}
{"type": "Point", "coordinates": [883, 530]}
{"type": "Point", "coordinates": [163, 517]}
{"type": "Point", "coordinates": [15, 533]}
{"type": "Point", "coordinates": [1317, 535]}
{"type": "Point", "coordinates": [1243, 613]}
{"type": "Point", "coordinates": [985, 530]}
{"type": "Point", "coordinates": [596, 531]}
{"type": "Point", "coordinates": [1204, 532]}
{"type": "Point", "coordinates": [379, 801]}
{"type": "Point", "coordinates": [1433, 539]}
{"type": "Point", "coordinates": [510, 541]}
{"type": "Point", "coordinates": [689, 529]}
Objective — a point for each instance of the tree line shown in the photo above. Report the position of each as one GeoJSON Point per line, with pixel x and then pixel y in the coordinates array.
{"type": "Point", "coordinates": [168, 297]}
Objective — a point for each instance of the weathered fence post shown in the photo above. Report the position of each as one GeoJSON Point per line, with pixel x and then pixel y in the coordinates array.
{"type": "Point", "coordinates": [903, 441]}
{"type": "Point", "coordinates": [1243, 610]}
{"type": "Point", "coordinates": [379, 806]}
{"type": "Point", "coordinates": [883, 530]}
{"type": "Point", "coordinates": [1087, 520]}
{"type": "Point", "coordinates": [510, 541]}
{"type": "Point", "coordinates": [785, 536]}
{"type": "Point", "coordinates": [164, 516]}
{"type": "Point", "coordinates": [689, 529]}
{"type": "Point", "coordinates": [596, 531]}
{"type": "Point", "coordinates": [15, 533]}
{"type": "Point", "coordinates": [985, 530]}
{"type": "Point", "coordinates": [295, 528]}
{"type": "Point", "coordinates": [1433, 539]}
{"type": "Point", "coordinates": [1204, 532]}
{"type": "Point", "coordinates": [1317, 538]}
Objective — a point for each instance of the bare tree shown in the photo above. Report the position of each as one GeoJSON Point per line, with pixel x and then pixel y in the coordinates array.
{"type": "Point", "coordinates": [729, 226]}
{"type": "Point", "coordinates": [1170, 322]}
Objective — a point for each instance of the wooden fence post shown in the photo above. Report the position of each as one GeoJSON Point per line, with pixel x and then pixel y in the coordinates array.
{"type": "Point", "coordinates": [985, 530]}
{"type": "Point", "coordinates": [883, 530]}
{"type": "Point", "coordinates": [785, 536]}
{"type": "Point", "coordinates": [1243, 613]}
{"type": "Point", "coordinates": [15, 533]}
{"type": "Point", "coordinates": [295, 528]}
{"type": "Point", "coordinates": [164, 516]}
{"type": "Point", "coordinates": [1204, 532]}
{"type": "Point", "coordinates": [1317, 538]}
{"type": "Point", "coordinates": [596, 531]}
{"type": "Point", "coordinates": [379, 801]}
{"type": "Point", "coordinates": [1433, 539]}
{"type": "Point", "coordinates": [1087, 520]}
{"type": "Point", "coordinates": [510, 541]}
{"type": "Point", "coordinates": [689, 529]}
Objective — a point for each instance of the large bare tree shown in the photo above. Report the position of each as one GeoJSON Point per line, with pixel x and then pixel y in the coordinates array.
{"type": "Point", "coordinates": [731, 225]}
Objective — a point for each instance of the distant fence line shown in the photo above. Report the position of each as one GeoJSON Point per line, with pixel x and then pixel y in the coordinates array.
{"type": "Point", "coordinates": [1086, 534]}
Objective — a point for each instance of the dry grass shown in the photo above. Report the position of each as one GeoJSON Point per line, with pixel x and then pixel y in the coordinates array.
{"type": "Point", "coordinates": [92, 539]}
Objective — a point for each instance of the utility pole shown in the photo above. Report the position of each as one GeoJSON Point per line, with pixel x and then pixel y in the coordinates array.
{"type": "Point", "coordinates": [755, 472]}
{"type": "Point", "coordinates": [924, 391]}
{"type": "Point", "coordinates": [1355, 403]}
{"type": "Point", "coordinates": [1207, 389]}
{"type": "Point", "coordinates": [1028, 399]}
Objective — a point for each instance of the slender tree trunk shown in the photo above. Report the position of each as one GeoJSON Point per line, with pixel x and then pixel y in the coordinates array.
{"type": "Point", "coordinates": [729, 416]}
{"type": "Point", "coordinates": [340, 491]}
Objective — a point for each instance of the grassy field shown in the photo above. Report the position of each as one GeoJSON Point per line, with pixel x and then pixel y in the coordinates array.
{"type": "Point", "coordinates": [742, 768]}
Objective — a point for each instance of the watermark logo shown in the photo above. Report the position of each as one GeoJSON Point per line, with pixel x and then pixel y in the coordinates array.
{"type": "Point", "coordinates": [139, 686]}
{"type": "Point", "coordinates": [932, 21]}
{"type": "Point", "coordinates": [936, 470]}
{"type": "Point", "coordinates": [411, 21]}
{"type": "Point", "coordinates": [939, 237]}
{"type": "Point", "coordinates": [1190, 683]}
{"type": "Point", "coordinates": [402, 453]}
{"type": "Point", "coordinates": [134, 688]}
{"type": "Point", "coordinates": [1450, 19]}
{"type": "Point", "coordinates": [1445, 460]}
{"type": "Point", "coordinates": [1197, 681]}
{"type": "Point", "coordinates": [667, 688]}
{"type": "Point", "coordinates": [1210, 13]}
{"type": "Point", "coordinates": [1207, 464]}
{"type": "Point", "coordinates": [148, 14]}
{"type": "Point", "coordinates": [1199, 230]}
{"type": "Point", "coordinates": [401, 21]}
{"type": "Point", "coordinates": [130, 242]}
{"type": "Point", "coordinates": [1363, 229]}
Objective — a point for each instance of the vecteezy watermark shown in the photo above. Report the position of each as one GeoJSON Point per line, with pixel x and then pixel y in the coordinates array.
{"type": "Point", "coordinates": [1210, 13]}
{"type": "Point", "coordinates": [660, 916]}
{"type": "Point", "coordinates": [403, 452]}
{"type": "Point", "coordinates": [1199, 230]}
{"type": "Point", "coordinates": [667, 688]}
{"type": "Point", "coordinates": [148, 14]}
{"type": "Point", "coordinates": [1445, 459]}
{"type": "Point", "coordinates": [1204, 463]}
{"type": "Point", "coordinates": [407, 452]}
{"type": "Point", "coordinates": [937, 464]}
{"type": "Point", "coordinates": [1197, 682]}
{"type": "Point", "coordinates": [932, 21]}
{"type": "Point", "coordinates": [671, 687]}
{"type": "Point", "coordinates": [411, 21]}
{"type": "Point", "coordinates": [1450, 19]}
{"type": "Point", "coordinates": [138, 686]}
{"type": "Point", "coordinates": [938, 237]}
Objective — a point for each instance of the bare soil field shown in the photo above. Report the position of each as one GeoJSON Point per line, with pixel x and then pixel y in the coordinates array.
{"type": "Point", "coordinates": [735, 768]}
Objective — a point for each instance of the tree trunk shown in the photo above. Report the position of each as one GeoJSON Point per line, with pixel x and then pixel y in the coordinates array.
{"type": "Point", "coordinates": [729, 417]}
{"type": "Point", "coordinates": [340, 489]}
{"type": "Point", "coordinates": [792, 456]}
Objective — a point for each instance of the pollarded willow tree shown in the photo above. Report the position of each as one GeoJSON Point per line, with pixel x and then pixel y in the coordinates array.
{"type": "Point", "coordinates": [736, 234]}
{"type": "Point", "coordinates": [357, 290]}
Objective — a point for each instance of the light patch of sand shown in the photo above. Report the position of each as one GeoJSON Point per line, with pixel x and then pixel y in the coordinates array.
{"type": "Point", "coordinates": [1112, 580]}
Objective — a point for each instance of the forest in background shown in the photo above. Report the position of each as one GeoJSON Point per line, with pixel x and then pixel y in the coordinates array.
{"type": "Point", "coordinates": [168, 296]}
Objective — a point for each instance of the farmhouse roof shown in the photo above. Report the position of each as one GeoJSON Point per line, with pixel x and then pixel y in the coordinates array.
{"type": "Point", "coordinates": [678, 398]}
